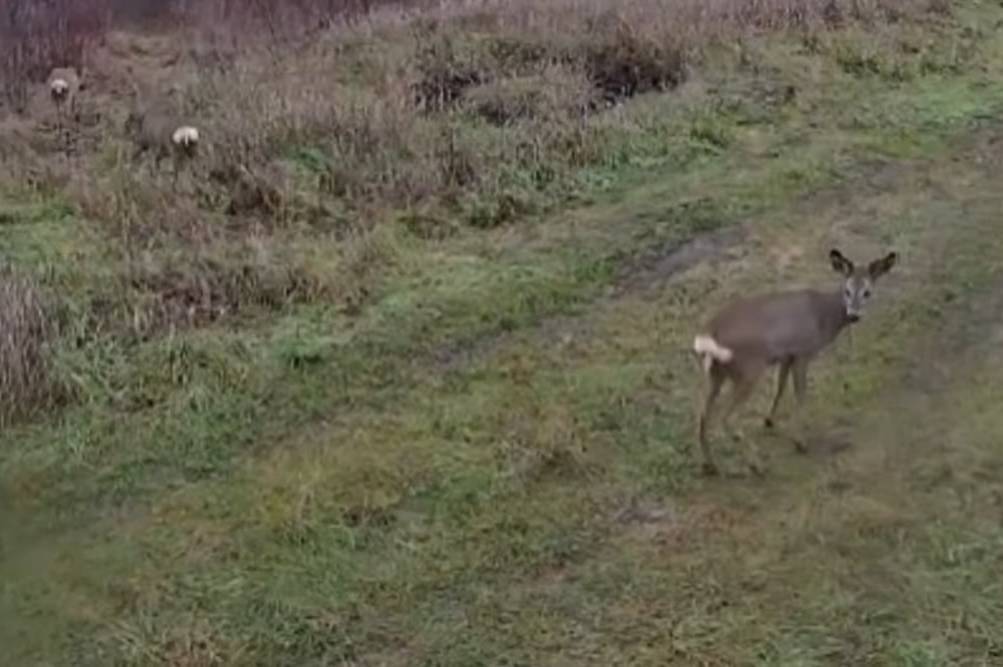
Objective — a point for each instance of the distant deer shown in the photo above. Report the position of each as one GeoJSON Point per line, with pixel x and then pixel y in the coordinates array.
{"type": "Point", "coordinates": [165, 135]}
{"type": "Point", "coordinates": [63, 84]}
{"type": "Point", "coordinates": [785, 329]}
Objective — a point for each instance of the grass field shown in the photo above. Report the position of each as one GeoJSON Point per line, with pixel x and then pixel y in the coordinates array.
{"type": "Point", "coordinates": [448, 420]}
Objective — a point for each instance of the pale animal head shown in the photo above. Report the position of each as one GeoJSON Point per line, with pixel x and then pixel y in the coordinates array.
{"type": "Point", "coordinates": [859, 282]}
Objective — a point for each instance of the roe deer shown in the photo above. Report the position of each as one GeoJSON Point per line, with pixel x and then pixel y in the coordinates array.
{"type": "Point", "coordinates": [64, 84]}
{"type": "Point", "coordinates": [164, 134]}
{"type": "Point", "coordinates": [787, 329]}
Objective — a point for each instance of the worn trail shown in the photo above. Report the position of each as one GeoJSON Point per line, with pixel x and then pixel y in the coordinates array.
{"type": "Point", "coordinates": [881, 546]}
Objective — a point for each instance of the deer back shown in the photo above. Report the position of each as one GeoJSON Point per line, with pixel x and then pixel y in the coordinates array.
{"type": "Point", "coordinates": [777, 326]}
{"type": "Point", "coordinates": [151, 128]}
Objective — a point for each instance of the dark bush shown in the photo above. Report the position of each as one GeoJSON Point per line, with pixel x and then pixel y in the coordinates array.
{"type": "Point", "coordinates": [623, 61]}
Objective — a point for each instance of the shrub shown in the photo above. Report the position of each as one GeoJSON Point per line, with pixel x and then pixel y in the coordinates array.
{"type": "Point", "coordinates": [447, 64]}
{"type": "Point", "coordinates": [625, 58]}
{"type": "Point", "coordinates": [556, 92]}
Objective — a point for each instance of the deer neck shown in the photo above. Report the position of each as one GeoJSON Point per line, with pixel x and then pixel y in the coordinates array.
{"type": "Point", "coordinates": [833, 314]}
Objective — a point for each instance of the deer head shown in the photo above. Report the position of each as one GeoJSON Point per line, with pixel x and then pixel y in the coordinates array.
{"type": "Point", "coordinates": [859, 282]}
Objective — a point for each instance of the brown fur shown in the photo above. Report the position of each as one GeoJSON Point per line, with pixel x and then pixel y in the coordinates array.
{"type": "Point", "coordinates": [151, 130]}
{"type": "Point", "coordinates": [785, 329]}
{"type": "Point", "coordinates": [69, 99]}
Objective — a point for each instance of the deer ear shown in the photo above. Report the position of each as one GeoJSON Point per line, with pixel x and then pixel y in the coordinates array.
{"type": "Point", "coordinates": [840, 264]}
{"type": "Point", "coordinates": [880, 267]}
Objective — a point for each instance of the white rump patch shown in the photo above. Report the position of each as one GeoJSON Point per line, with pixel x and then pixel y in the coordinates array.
{"type": "Point", "coordinates": [59, 86]}
{"type": "Point", "coordinates": [186, 135]}
{"type": "Point", "coordinates": [711, 351]}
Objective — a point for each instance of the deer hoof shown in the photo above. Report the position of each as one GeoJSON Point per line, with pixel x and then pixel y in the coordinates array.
{"type": "Point", "coordinates": [710, 470]}
{"type": "Point", "coordinates": [768, 422]}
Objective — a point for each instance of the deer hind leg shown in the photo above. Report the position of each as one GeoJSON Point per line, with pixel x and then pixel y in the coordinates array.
{"type": "Point", "coordinates": [782, 375]}
{"type": "Point", "coordinates": [715, 380]}
{"type": "Point", "coordinates": [744, 384]}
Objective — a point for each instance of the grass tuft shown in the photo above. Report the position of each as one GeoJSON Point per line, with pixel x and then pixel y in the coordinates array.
{"type": "Point", "coordinates": [26, 321]}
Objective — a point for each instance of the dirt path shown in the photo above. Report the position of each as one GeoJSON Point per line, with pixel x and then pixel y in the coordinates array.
{"type": "Point", "coordinates": [883, 547]}
{"type": "Point", "coordinates": [610, 550]}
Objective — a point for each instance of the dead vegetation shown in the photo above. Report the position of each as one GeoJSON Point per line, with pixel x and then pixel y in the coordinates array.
{"type": "Point", "coordinates": [184, 292]}
{"type": "Point", "coordinates": [25, 379]}
{"type": "Point", "coordinates": [317, 418]}
{"type": "Point", "coordinates": [340, 115]}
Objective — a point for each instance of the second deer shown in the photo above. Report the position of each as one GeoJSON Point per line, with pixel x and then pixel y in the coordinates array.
{"type": "Point", "coordinates": [784, 329]}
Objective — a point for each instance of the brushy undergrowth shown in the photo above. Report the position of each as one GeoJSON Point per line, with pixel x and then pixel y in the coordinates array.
{"type": "Point", "coordinates": [338, 118]}
{"type": "Point", "coordinates": [26, 330]}
{"type": "Point", "coordinates": [349, 393]}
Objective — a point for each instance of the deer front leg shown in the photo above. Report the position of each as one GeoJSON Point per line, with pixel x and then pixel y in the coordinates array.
{"type": "Point", "coordinates": [782, 375]}
{"type": "Point", "coordinates": [800, 370]}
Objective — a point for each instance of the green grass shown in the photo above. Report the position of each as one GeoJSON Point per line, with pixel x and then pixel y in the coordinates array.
{"type": "Point", "coordinates": [491, 463]}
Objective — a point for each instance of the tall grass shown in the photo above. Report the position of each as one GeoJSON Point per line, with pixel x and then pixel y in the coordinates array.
{"type": "Point", "coordinates": [322, 118]}
{"type": "Point", "coordinates": [36, 35]}
{"type": "Point", "coordinates": [25, 380]}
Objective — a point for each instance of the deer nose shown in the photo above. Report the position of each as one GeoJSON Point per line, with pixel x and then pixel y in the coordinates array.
{"type": "Point", "coordinates": [853, 317]}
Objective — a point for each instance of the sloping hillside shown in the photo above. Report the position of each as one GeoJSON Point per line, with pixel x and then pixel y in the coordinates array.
{"type": "Point", "coordinates": [433, 404]}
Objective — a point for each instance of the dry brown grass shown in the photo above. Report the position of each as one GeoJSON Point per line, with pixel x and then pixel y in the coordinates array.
{"type": "Point", "coordinates": [339, 115]}
{"type": "Point", "coordinates": [25, 332]}
{"type": "Point", "coordinates": [556, 91]}
{"type": "Point", "coordinates": [384, 110]}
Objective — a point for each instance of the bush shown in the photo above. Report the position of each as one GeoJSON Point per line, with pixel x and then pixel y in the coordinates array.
{"type": "Point", "coordinates": [626, 59]}
{"type": "Point", "coordinates": [557, 92]}
{"type": "Point", "coordinates": [447, 64]}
